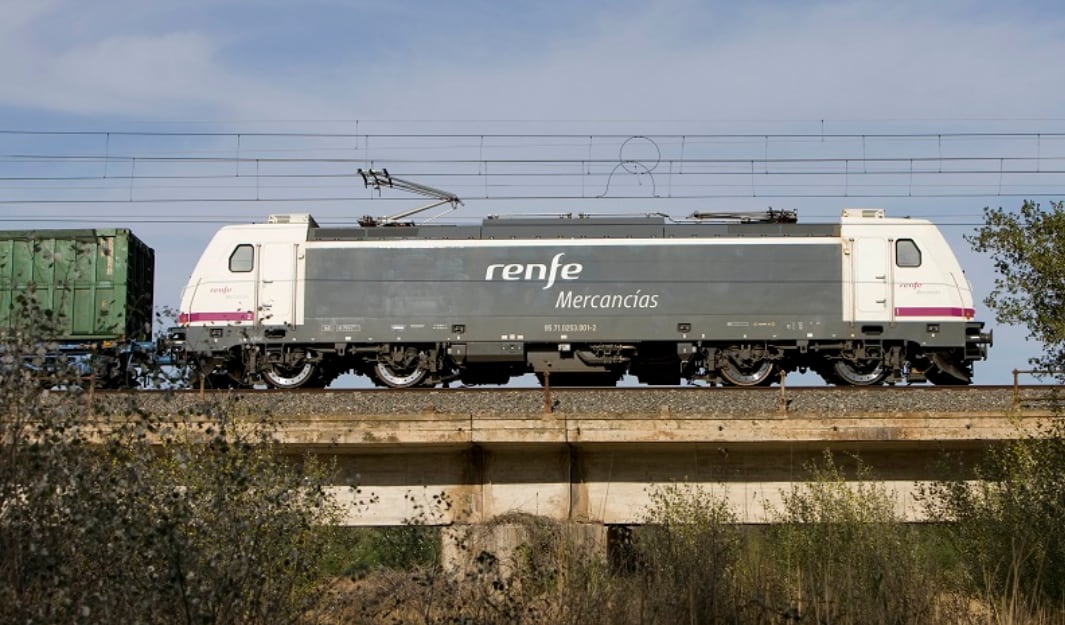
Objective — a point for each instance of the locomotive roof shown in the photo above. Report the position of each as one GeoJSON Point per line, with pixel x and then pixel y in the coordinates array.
{"type": "Point", "coordinates": [568, 227]}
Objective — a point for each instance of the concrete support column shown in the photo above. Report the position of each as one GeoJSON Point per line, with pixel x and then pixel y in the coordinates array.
{"type": "Point", "coordinates": [508, 546]}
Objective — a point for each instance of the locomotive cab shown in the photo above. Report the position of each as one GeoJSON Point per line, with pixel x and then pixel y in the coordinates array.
{"type": "Point", "coordinates": [247, 289]}
{"type": "Point", "coordinates": [900, 277]}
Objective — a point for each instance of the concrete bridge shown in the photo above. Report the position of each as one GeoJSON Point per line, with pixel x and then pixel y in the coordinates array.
{"type": "Point", "coordinates": [593, 456]}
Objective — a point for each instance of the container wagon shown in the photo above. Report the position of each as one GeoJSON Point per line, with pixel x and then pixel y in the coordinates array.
{"type": "Point", "coordinates": [84, 295]}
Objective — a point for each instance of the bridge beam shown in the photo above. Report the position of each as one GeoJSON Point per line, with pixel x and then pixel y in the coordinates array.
{"type": "Point", "coordinates": [612, 483]}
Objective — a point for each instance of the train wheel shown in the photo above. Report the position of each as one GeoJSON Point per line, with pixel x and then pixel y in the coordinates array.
{"type": "Point", "coordinates": [294, 376]}
{"type": "Point", "coordinates": [388, 375]}
{"type": "Point", "coordinates": [402, 367]}
{"type": "Point", "coordinates": [758, 373]}
{"type": "Point", "coordinates": [867, 373]}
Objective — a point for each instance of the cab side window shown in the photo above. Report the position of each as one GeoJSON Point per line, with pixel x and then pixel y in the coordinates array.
{"type": "Point", "coordinates": [907, 254]}
{"type": "Point", "coordinates": [242, 259]}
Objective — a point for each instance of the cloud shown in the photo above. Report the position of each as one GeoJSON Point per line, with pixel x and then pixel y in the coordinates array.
{"type": "Point", "coordinates": [54, 59]}
{"type": "Point", "coordinates": [88, 72]}
{"type": "Point", "coordinates": [833, 61]}
{"type": "Point", "coordinates": [132, 74]}
{"type": "Point", "coordinates": [677, 59]}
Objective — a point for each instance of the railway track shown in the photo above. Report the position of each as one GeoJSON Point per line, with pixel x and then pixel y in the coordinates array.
{"type": "Point", "coordinates": [930, 388]}
{"type": "Point", "coordinates": [679, 402]}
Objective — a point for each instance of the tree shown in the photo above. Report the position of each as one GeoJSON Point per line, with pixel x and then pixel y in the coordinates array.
{"type": "Point", "coordinates": [111, 514]}
{"type": "Point", "coordinates": [1027, 248]}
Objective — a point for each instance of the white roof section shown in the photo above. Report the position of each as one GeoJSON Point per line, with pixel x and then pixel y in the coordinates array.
{"type": "Point", "coordinates": [293, 218]}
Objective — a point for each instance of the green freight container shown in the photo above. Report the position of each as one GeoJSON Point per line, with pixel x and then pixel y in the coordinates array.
{"type": "Point", "coordinates": [98, 283]}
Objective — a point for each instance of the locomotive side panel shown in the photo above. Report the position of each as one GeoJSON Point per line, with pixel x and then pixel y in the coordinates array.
{"type": "Point", "coordinates": [544, 291]}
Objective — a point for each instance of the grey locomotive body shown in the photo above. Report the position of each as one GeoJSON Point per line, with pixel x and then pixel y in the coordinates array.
{"type": "Point", "coordinates": [580, 301]}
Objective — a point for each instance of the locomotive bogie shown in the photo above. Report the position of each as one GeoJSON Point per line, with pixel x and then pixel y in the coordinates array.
{"type": "Point", "coordinates": [584, 301]}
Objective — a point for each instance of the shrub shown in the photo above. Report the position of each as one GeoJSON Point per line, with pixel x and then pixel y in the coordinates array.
{"type": "Point", "coordinates": [845, 555]}
{"type": "Point", "coordinates": [688, 555]}
{"type": "Point", "coordinates": [1008, 525]}
{"type": "Point", "coordinates": [137, 519]}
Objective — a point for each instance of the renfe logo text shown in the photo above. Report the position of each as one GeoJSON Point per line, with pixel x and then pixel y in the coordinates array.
{"type": "Point", "coordinates": [535, 271]}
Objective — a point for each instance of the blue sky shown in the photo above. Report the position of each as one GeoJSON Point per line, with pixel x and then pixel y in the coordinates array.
{"type": "Point", "coordinates": [677, 67]}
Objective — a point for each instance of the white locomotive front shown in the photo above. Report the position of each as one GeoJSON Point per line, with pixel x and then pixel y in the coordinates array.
{"type": "Point", "coordinates": [582, 300]}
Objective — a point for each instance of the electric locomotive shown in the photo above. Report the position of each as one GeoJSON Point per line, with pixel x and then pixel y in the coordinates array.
{"type": "Point", "coordinates": [581, 300]}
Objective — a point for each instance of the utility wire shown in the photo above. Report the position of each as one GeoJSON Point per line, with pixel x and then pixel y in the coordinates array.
{"type": "Point", "coordinates": [538, 135]}
{"type": "Point", "coordinates": [933, 165]}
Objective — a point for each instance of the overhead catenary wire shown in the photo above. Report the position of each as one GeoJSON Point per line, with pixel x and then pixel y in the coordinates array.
{"type": "Point", "coordinates": [228, 167]}
{"type": "Point", "coordinates": [538, 135]}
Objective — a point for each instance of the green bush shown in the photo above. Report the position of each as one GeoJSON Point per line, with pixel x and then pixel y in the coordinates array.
{"type": "Point", "coordinates": [688, 555]}
{"type": "Point", "coordinates": [845, 555]}
{"type": "Point", "coordinates": [1008, 525]}
{"type": "Point", "coordinates": [133, 519]}
{"type": "Point", "coordinates": [355, 551]}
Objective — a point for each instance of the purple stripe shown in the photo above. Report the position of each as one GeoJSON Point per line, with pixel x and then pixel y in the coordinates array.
{"type": "Point", "coordinates": [245, 315]}
{"type": "Point", "coordinates": [934, 311]}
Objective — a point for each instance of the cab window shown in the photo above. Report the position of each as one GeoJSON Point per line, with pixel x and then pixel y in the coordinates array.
{"type": "Point", "coordinates": [907, 254]}
{"type": "Point", "coordinates": [242, 259]}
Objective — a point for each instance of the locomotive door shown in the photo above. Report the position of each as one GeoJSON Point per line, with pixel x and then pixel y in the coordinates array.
{"type": "Point", "coordinates": [871, 279]}
{"type": "Point", "coordinates": [277, 283]}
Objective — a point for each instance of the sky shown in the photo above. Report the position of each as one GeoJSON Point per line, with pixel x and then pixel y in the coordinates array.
{"type": "Point", "coordinates": [287, 98]}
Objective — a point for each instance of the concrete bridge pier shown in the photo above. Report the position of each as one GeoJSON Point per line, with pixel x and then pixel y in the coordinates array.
{"type": "Point", "coordinates": [498, 549]}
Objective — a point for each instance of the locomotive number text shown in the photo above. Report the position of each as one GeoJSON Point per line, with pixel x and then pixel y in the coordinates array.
{"type": "Point", "coordinates": [569, 327]}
